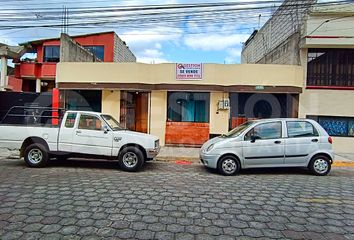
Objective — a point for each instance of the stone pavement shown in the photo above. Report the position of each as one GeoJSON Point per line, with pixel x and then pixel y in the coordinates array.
{"type": "Point", "coordinates": [96, 200]}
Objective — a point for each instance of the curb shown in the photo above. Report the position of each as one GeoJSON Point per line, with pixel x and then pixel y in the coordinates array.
{"type": "Point", "coordinates": [175, 159]}
{"type": "Point", "coordinates": [343, 164]}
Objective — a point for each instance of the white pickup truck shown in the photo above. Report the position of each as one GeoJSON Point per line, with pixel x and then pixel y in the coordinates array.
{"type": "Point", "coordinates": [81, 134]}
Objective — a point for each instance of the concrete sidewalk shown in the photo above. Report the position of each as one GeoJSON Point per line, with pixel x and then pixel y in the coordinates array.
{"type": "Point", "coordinates": [8, 154]}
{"type": "Point", "coordinates": [178, 154]}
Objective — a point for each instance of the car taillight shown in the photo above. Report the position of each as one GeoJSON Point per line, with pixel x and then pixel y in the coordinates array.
{"type": "Point", "coordinates": [330, 140]}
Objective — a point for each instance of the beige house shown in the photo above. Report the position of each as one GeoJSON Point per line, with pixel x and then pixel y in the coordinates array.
{"type": "Point", "coordinates": [181, 109]}
{"type": "Point", "coordinates": [321, 40]}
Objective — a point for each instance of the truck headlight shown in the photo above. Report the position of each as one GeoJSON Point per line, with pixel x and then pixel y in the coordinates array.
{"type": "Point", "coordinates": [157, 143]}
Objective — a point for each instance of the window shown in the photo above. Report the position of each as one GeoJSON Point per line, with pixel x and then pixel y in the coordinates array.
{"type": "Point", "coordinates": [300, 129]}
{"type": "Point", "coordinates": [90, 122]}
{"type": "Point", "coordinates": [238, 130]}
{"type": "Point", "coordinates": [98, 51]}
{"type": "Point", "coordinates": [336, 126]}
{"type": "Point", "coordinates": [270, 130]}
{"type": "Point", "coordinates": [188, 107]}
{"type": "Point", "coordinates": [83, 100]}
{"type": "Point", "coordinates": [70, 120]}
{"type": "Point", "coordinates": [330, 67]}
{"type": "Point", "coordinates": [114, 124]}
{"type": "Point", "coordinates": [51, 54]}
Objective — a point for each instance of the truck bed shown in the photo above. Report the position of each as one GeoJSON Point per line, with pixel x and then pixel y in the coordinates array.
{"type": "Point", "coordinates": [12, 136]}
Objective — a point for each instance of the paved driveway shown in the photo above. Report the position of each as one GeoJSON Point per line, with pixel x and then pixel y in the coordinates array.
{"type": "Point", "coordinates": [95, 200]}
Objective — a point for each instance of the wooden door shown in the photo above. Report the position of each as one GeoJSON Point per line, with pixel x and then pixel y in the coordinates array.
{"type": "Point", "coordinates": [141, 112]}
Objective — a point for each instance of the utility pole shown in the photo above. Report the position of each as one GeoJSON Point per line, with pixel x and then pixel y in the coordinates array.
{"type": "Point", "coordinates": [65, 20]}
{"type": "Point", "coordinates": [3, 82]}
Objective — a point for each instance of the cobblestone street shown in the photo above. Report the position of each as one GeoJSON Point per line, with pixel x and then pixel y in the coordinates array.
{"type": "Point", "coordinates": [96, 200]}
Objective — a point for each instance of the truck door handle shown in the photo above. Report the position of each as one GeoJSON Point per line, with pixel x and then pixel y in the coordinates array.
{"type": "Point", "coordinates": [314, 140]}
{"type": "Point", "coordinates": [277, 142]}
{"type": "Point", "coordinates": [78, 131]}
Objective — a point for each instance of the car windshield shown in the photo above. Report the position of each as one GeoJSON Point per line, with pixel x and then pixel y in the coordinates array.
{"type": "Point", "coordinates": [238, 130]}
{"type": "Point", "coordinates": [114, 124]}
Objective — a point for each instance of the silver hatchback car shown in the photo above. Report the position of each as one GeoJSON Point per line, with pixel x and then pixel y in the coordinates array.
{"type": "Point", "coordinates": [270, 143]}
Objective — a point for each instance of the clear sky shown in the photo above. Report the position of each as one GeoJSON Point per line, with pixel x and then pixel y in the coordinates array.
{"type": "Point", "coordinates": [187, 37]}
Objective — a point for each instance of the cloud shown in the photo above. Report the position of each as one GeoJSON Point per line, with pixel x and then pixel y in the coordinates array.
{"type": "Point", "coordinates": [233, 55]}
{"type": "Point", "coordinates": [151, 60]}
{"type": "Point", "coordinates": [153, 55]}
{"type": "Point", "coordinates": [214, 42]}
{"type": "Point", "coordinates": [7, 41]}
{"type": "Point", "coordinates": [141, 38]}
{"type": "Point", "coordinates": [147, 44]}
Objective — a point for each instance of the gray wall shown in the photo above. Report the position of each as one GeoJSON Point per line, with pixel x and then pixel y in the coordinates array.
{"type": "Point", "coordinates": [277, 41]}
{"type": "Point", "coordinates": [71, 51]}
{"type": "Point", "coordinates": [122, 52]}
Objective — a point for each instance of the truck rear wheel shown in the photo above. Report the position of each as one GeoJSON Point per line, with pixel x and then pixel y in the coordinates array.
{"type": "Point", "coordinates": [36, 155]}
{"type": "Point", "coordinates": [131, 159]}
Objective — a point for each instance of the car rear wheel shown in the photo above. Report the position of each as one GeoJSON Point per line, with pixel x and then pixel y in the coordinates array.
{"type": "Point", "coordinates": [228, 165]}
{"type": "Point", "coordinates": [320, 165]}
{"type": "Point", "coordinates": [36, 155]}
{"type": "Point", "coordinates": [131, 159]}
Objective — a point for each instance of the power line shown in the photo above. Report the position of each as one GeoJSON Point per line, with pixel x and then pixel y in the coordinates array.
{"type": "Point", "coordinates": [135, 17]}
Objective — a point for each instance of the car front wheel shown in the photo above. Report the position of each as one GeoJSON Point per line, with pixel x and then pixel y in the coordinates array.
{"type": "Point", "coordinates": [228, 165]}
{"type": "Point", "coordinates": [320, 165]}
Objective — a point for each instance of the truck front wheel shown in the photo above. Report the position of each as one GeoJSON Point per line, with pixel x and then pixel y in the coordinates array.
{"type": "Point", "coordinates": [36, 155]}
{"type": "Point", "coordinates": [131, 159]}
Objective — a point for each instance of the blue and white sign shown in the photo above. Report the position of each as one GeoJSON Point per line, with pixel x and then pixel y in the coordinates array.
{"type": "Point", "coordinates": [189, 71]}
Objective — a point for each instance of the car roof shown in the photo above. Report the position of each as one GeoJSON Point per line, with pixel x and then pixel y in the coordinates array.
{"type": "Point", "coordinates": [281, 119]}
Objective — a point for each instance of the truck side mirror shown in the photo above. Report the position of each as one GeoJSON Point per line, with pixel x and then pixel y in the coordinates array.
{"type": "Point", "coordinates": [254, 138]}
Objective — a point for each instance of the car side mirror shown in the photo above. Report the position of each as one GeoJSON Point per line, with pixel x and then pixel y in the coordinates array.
{"type": "Point", "coordinates": [254, 138]}
{"type": "Point", "coordinates": [105, 129]}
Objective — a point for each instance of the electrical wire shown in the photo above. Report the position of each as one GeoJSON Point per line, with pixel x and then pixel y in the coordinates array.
{"type": "Point", "coordinates": [174, 16]}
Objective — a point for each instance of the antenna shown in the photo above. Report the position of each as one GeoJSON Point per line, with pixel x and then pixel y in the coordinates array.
{"type": "Point", "coordinates": [259, 21]}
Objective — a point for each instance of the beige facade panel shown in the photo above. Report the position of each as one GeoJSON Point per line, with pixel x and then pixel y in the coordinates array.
{"type": "Point", "coordinates": [219, 119]}
{"type": "Point", "coordinates": [342, 145]}
{"type": "Point", "coordinates": [213, 74]}
{"type": "Point", "coordinates": [158, 113]}
{"type": "Point", "coordinates": [327, 103]}
{"type": "Point", "coordinates": [333, 34]}
{"type": "Point", "coordinates": [111, 103]}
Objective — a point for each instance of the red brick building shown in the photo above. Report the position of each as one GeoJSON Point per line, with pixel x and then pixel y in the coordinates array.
{"type": "Point", "coordinates": [37, 75]}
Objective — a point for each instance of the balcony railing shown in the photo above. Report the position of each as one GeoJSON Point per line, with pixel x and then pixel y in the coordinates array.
{"type": "Point", "coordinates": [35, 70]}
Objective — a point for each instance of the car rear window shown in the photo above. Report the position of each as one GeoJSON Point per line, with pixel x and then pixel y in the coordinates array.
{"type": "Point", "coordinates": [301, 129]}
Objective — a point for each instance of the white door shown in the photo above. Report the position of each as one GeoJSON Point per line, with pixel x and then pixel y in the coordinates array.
{"type": "Point", "coordinates": [302, 141]}
{"type": "Point", "coordinates": [263, 145]}
{"type": "Point", "coordinates": [90, 138]}
{"type": "Point", "coordinates": [66, 133]}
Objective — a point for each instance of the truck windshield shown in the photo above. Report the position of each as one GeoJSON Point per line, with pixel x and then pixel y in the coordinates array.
{"type": "Point", "coordinates": [114, 124]}
{"type": "Point", "coordinates": [238, 130]}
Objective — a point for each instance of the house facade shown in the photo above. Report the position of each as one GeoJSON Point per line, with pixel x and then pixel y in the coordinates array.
{"type": "Point", "coordinates": [37, 75]}
{"type": "Point", "coordinates": [321, 40]}
{"type": "Point", "coordinates": [182, 104]}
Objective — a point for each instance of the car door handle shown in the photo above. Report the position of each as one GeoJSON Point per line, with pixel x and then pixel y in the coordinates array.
{"type": "Point", "coordinates": [314, 140]}
{"type": "Point", "coordinates": [78, 131]}
{"type": "Point", "coordinates": [277, 142]}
